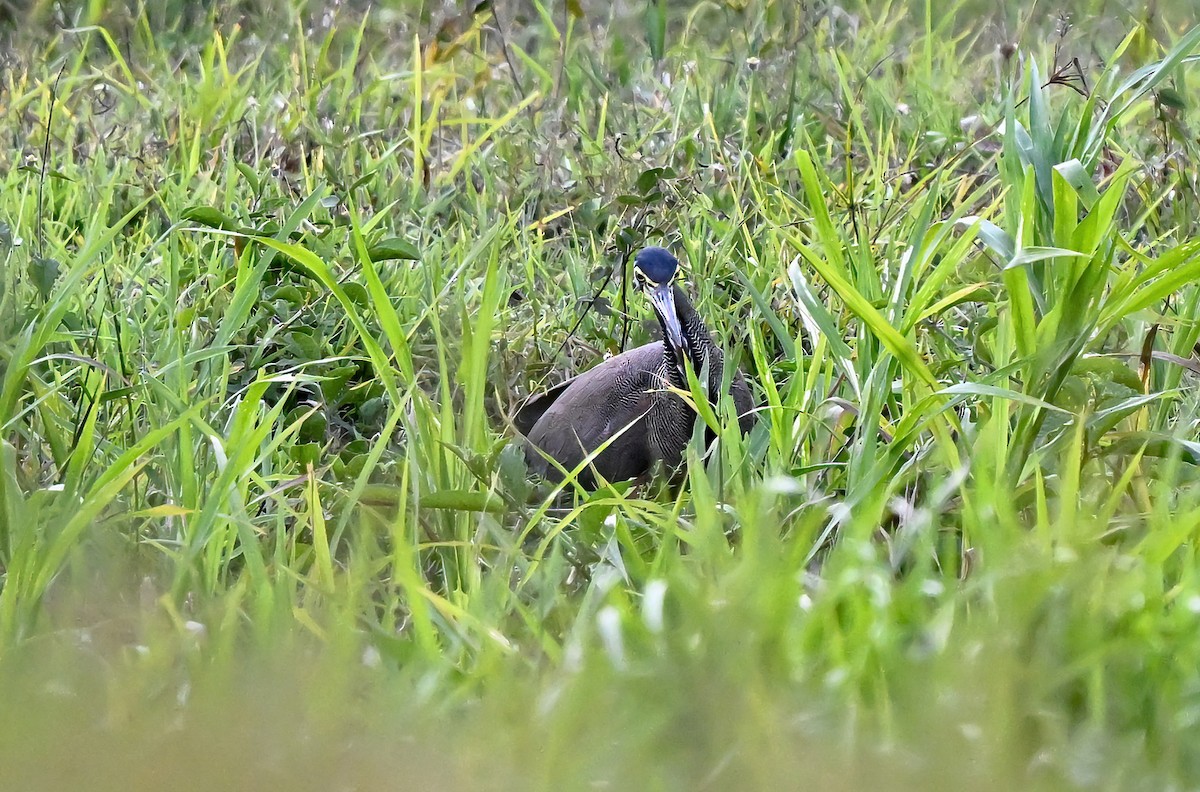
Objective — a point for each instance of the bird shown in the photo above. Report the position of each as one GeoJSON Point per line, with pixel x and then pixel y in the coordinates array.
{"type": "Point", "coordinates": [630, 392]}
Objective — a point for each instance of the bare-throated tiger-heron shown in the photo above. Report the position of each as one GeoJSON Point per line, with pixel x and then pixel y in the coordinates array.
{"type": "Point", "coordinates": [628, 395]}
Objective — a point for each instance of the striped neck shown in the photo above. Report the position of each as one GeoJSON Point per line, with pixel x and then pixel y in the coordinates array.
{"type": "Point", "coordinates": [699, 343]}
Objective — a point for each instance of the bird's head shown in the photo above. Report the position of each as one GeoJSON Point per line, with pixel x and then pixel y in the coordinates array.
{"type": "Point", "coordinates": [654, 272]}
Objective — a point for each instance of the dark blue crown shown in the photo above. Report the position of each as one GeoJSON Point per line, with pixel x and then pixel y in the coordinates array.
{"type": "Point", "coordinates": [657, 264]}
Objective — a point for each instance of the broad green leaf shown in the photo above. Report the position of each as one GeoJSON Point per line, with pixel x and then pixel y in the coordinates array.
{"type": "Point", "coordinates": [393, 248]}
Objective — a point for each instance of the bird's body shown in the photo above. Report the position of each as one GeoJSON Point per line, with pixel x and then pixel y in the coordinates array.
{"type": "Point", "coordinates": [628, 396]}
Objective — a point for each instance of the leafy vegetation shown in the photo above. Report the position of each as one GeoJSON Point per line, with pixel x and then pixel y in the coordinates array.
{"type": "Point", "coordinates": [276, 274]}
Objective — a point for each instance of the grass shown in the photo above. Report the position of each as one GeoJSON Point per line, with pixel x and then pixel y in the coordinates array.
{"type": "Point", "coordinates": [276, 275]}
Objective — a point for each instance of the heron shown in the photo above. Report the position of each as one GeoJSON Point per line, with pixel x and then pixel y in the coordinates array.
{"type": "Point", "coordinates": [632, 396]}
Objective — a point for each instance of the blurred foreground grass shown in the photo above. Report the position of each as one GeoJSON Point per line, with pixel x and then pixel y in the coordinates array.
{"type": "Point", "coordinates": [279, 273]}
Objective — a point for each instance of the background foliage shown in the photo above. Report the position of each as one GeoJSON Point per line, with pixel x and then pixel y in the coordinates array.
{"type": "Point", "coordinates": [276, 274]}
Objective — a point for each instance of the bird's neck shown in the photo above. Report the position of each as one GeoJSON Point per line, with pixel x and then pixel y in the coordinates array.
{"type": "Point", "coordinates": [699, 343]}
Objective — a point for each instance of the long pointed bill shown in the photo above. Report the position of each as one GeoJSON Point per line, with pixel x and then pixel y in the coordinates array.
{"type": "Point", "coordinates": [662, 297]}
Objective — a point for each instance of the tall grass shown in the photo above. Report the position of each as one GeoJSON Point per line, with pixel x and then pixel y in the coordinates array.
{"type": "Point", "coordinates": [275, 277]}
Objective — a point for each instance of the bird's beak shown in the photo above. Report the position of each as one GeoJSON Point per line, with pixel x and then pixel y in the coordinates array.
{"type": "Point", "coordinates": [662, 298]}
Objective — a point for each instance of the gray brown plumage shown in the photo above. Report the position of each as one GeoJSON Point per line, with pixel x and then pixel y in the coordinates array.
{"type": "Point", "coordinates": [573, 419]}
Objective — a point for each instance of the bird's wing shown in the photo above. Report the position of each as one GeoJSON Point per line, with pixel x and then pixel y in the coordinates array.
{"type": "Point", "coordinates": [529, 413]}
{"type": "Point", "coordinates": [639, 358]}
{"type": "Point", "coordinates": [595, 406]}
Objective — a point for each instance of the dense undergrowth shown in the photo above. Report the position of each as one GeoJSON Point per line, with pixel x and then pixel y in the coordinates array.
{"type": "Point", "coordinates": [276, 275]}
